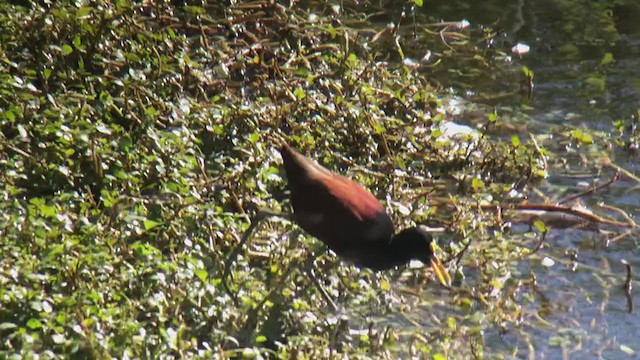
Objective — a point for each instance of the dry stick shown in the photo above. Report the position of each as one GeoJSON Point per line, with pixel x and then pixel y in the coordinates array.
{"type": "Point", "coordinates": [592, 190]}
{"type": "Point", "coordinates": [19, 151]}
{"type": "Point", "coordinates": [442, 32]}
{"type": "Point", "coordinates": [618, 210]}
{"type": "Point", "coordinates": [360, 168]}
{"type": "Point", "coordinates": [561, 209]}
{"type": "Point", "coordinates": [625, 172]}
{"type": "Point", "coordinates": [227, 289]}
{"type": "Point", "coordinates": [557, 208]}
{"type": "Point", "coordinates": [542, 156]}
{"type": "Point", "coordinates": [628, 286]}
{"type": "Point", "coordinates": [620, 236]}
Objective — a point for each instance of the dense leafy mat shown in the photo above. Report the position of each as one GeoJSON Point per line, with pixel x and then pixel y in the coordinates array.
{"type": "Point", "coordinates": [137, 139]}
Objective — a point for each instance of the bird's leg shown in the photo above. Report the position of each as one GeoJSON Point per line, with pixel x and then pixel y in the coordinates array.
{"type": "Point", "coordinates": [319, 286]}
{"type": "Point", "coordinates": [310, 267]}
{"type": "Point", "coordinates": [260, 215]}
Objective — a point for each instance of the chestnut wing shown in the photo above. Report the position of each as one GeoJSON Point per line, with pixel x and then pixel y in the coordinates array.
{"type": "Point", "coordinates": [341, 213]}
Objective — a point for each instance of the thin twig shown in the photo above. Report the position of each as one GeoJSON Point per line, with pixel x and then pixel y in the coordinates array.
{"type": "Point", "coordinates": [619, 211]}
{"type": "Point", "coordinates": [625, 172]}
{"type": "Point", "coordinates": [592, 190]}
{"type": "Point", "coordinates": [442, 32]}
{"type": "Point", "coordinates": [18, 150]}
{"type": "Point", "coordinates": [542, 156]}
{"type": "Point", "coordinates": [620, 236]}
{"type": "Point", "coordinates": [543, 237]}
{"type": "Point", "coordinates": [458, 256]}
{"type": "Point", "coordinates": [360, 168]}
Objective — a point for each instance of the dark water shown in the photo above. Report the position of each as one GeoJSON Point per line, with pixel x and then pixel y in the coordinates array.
{"type": "Point", "coordinates": [586, 59]}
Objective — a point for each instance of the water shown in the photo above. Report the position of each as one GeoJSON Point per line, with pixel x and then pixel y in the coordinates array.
{"type": "Point", "coordinates": [585, 57]}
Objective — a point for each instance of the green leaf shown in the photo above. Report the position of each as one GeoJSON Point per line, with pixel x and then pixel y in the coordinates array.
{"type": "Point", "coordinates": [527, 72]}
{"type": "Point", "coordinates": [439, 356]}
{"type": "Point", "coordinates": [34, 324]}
{"type": "Point", "coordinates": [299, 93]}
{"type": "Point", "coordinates": [150, 224]}
{"type": "Point", "coordinates": [48, 210]}
{"type": "Point", "coordinates": [539, 224]}
{"type": "Point", "coordinates": [596, 82]}
{"type": "Point", "coordinates": [477, 184]}
{"type": "Point", "coordinates": [261, 338]}
{"type": "Point", "coordinates": [107, 198]}
{"type": "Point", "coordinates": [58, 338]}
{"type": "Point", "coordinates": [194, 9]}
{"type": "Point", "coordinates": [582, 136]}
{"type": "Point", "coordinates": [515, 140]}
{"type": "Point", "coordinates": [66, 49]}
{"type": "Point", "coordinates": [77, 41]}
{"type": "Point", "coordinates": [302, 71]}
{"type": "Point", "coordinates": [201, 274]}
{"type": "Point", "coordinates": [9, 115]}
{"type": "Point", "coordinates": [151, 111]}
{"type": "Point", "coordinates": [418, 2]}
{"type": "Point", "coordinates": [332, 31]}
{"type": "Point", "coordinates": [352, 60]}
{"type": "Point", "coordinates": [607, 58]}
{"type": "Point", "coordinates": [84, 11]}
{"type": "Point", "coordinates": [22, 131]}
{"type": "Point", "coordinates": [451, 322]}
{"type": "Point", "coordinates": [587, 139]}
{"type": "Point", "coordinates": [120, 174]}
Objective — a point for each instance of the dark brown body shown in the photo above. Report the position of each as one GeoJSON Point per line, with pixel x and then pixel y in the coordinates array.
{"type": "Point", "coordinates": [348, 218]}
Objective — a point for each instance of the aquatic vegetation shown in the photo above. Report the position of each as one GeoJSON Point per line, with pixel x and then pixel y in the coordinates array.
{"type": "Point", "coordinates": [138, 140]}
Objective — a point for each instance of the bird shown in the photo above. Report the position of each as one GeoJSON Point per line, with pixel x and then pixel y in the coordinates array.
{"type": "Point", "coordinates": [347, 218]}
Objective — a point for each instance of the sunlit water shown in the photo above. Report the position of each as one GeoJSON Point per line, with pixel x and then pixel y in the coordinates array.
{"type": "Point", "coordinates": [585, 57]}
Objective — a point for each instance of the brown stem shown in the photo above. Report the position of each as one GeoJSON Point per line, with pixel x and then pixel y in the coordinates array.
{"type": "Point", "coordinates": [558, 208]}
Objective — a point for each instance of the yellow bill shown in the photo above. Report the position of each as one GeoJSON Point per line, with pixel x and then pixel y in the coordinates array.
{"type": "Point", "coordinates": [441, 272]}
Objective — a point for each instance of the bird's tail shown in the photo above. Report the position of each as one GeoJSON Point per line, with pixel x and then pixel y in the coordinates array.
{"type": "Point", "coordinates": [290, 157]}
